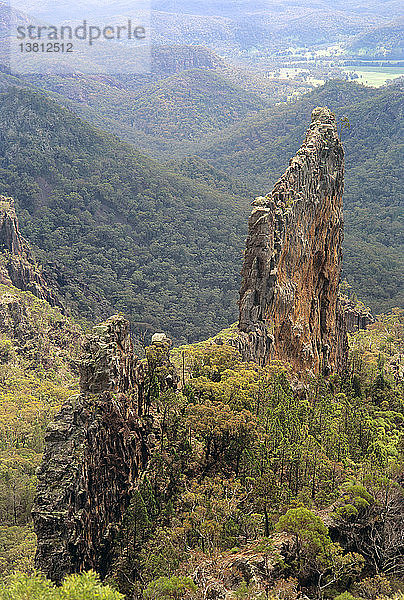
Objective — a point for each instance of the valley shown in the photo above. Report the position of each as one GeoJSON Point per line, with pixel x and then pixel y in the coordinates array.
{"type": "Point", "coordinates": [202, 304]}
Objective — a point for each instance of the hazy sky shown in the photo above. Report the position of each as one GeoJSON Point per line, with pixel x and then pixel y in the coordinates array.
{"type": "Point", "coordinates": [65, 9]}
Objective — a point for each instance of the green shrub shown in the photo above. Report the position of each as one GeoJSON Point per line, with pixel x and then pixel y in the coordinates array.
{"type": "Point", "coordinates": [86, 586]}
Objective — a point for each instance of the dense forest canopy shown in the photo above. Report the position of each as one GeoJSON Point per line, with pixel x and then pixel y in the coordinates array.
{"type": "Point", "coordinates": [116, 230]}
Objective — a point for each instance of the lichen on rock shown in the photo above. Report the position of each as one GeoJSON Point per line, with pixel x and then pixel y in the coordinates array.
{"type": "Point", "coordinates": [94, 451]}
{"type": "Point", "coordinates": [289, 307]}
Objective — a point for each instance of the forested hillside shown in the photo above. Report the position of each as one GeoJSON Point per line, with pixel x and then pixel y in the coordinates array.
{"type": "Point", "coordinates": [117, 231]}
{"type": "Point", "coordinates": [252, 489]}
{"type": "Point", "coordinates": [164, 112]}
{"type": "Point", "coordinates": [237, 26]}
{"type": "Point", "coordinates": [386, 41]}
{"type": "Point", "coordinates": [154, 263]}
{"type": "Point", "coordinates": [188, 104]}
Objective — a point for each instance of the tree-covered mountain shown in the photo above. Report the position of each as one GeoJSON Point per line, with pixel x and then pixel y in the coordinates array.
{"type": "Point", "coordinates": [188, 104]}
{"type": "Point", "coordinates": [386, 41]}
{"type": "Point", "coordinates": [240, 26]}
{"type": "Point", "coordinates": [162, 114]}
{"type": "Point", "coordinates": [116, 230]}
{"type": "Point", "coordinates": [256, 147]}
{"type": "Point", "coordinates": [121, 227]}
{"type": "Point", "coordinates": [189, 93]}
{"type": "Point", "coordinates": [229, 25]}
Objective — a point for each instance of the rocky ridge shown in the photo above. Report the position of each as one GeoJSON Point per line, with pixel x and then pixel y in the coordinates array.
{"type": "Point", "coordinates": [289, 306]}
{"type": "Point", "coordinates": [94, 451]}
{"type": "Point", "coordinates": [17, 263]}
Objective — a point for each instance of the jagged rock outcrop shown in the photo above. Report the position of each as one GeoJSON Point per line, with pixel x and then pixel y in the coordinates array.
{"type": "Point", "coordinates": [289, 307]}
{"type": "Point", "coordinates": [220, 577]}
{"type": "Point", "coordinates": [94, 451]}
{"type": "Point", "coordinates": [17, 264]}
{"type": "Point", "coordinates": [356, 316]}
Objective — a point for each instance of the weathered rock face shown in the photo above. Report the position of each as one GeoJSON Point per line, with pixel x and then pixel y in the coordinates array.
{"type": "Point", "coordinates": [221, 577]}
{"type": "Point", "coordinates": [289, 293]}
{"type": "Point", "coordinates": [356, 317]}
{"type": "Point", "coordinates": [17, 264]}
{"type": "Point", "coordinates": [94, 451]}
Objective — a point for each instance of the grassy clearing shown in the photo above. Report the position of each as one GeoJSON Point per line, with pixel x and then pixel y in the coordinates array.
{"type": "Point", "coordinates": [376, 76]}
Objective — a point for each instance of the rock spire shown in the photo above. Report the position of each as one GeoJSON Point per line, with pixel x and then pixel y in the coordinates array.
{"type": "Point", "coordinates": [289, 307]}
{"type": "Point", "coordinates": [94, 451]}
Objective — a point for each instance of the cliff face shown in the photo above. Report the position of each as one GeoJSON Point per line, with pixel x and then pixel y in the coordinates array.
{"type": "Point", "coordinates": [17, 264]}
{"type": "Point", "coordinates": [94, 451]}
{"type": "Point", "coordinates": [356, 316]}
{"type": "Point", "coordinates": [289, 308]}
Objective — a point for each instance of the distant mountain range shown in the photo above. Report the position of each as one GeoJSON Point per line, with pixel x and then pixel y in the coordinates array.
{"type": "Point", "coordinates": [232, 24]}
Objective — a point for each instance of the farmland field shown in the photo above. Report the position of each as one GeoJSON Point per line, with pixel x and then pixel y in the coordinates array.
{"type": "Point", "coordinates": [376, 76]}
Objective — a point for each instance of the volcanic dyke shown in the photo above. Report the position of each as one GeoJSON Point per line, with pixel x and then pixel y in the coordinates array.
{"type": "Point", "coordinates": [17, 264]}
{"type": "Point", "coordinates": [289, 306]}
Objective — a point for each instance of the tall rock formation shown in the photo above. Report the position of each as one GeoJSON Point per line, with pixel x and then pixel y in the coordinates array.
{"type": "Point", "coordinates": [17, 263]}
{"type": "Point", "coordinates": [94, 451]}
{"type": "Point", "coordinates": [289, 307]}
{"type": "Point", "coordinates": [357, 316]}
